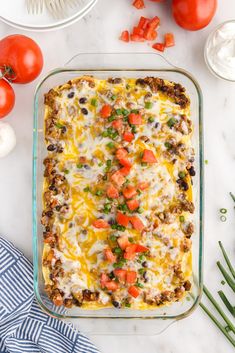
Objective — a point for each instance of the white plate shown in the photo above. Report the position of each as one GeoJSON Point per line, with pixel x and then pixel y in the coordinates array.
{"type": "Point", "coordinates": [20, 17]}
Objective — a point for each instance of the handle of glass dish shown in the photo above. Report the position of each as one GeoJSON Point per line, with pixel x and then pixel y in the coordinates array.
{"type": "Point", "coordinates": [121, 61]}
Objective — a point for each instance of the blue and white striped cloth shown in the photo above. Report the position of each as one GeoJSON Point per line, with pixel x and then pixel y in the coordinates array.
{"type": "Point", "coordinates": [24, 328]}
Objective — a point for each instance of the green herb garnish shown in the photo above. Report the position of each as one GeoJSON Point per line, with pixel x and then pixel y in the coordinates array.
{"type": "Point", "coordinates": [148, 105]}
{"type": "Point", "coordinates": [110, 145]}
{"type": "Point", "coordinates": [94, 102]}
{"type": "Point", "coordinates": [60, 126]}
{"type": "Point", "coordinates": [151, 119]}
{"type": "Point", "coordinates": [99, 193]}
{"type": "Point", "coordinates": [182, 219]}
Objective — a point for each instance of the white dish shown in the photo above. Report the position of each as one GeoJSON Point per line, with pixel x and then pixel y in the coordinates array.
{"type": "Point", "coordinates": [20, 18]}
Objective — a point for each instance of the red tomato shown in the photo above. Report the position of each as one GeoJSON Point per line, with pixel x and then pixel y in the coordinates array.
{"type": "Point", "coordinates": [7, 98]}
{"type": "Point", "coordinates": [143, 22]}
{"type": "Point", "coordinates": [169, 40]}
{"type": "Point", "coordinates": [121, 153]}
{"type": "Point", "coordinates": [122, 219]}
{"type": "Point", "coordinates": [148, 157]}
{"type": "Point", "coordinates": [143, 185]}
{"type": "Point", "coordinates": [125, 36]}
{"type": "Point", "coordinates": [133, 204]}
{"type": "Point", "coordinates": [125, 171]}
{"type": "Point", "coordinates": [131, 277]}
{"type": "Point", "coordinates": [100, 223]}
{"type": "Point", "coordinates": [117, 124]}
{"type": "Point", "coordinates": [137, 223]}
{"type": "Point", "coordinates": [139, 4]}
{"type": "Point", "coordinates": [141, 248]}
{"type": "Point", "coordinates": [136, 38]}
{"type": "Point", "coordinates": [123, 242]}
{"type": "Point", "coordinates": [130, 252]}
{"type": "Point", "coordinates": [109, 256]}
{"type": "Point", "coordinates": [21, 57]}
{"type": "Point", "coordinates": [103, 279]}
{"type": "Point", "coordinates": [125, 162]}
{"type": "Point", "coordinates": [106, 111]}
{"type": "Point", "coordinates": [129, 192]}
{"type": "Point", "coordinates": [159, 46]}
{"type": "Point", "coordinates": [128, 136]}
{"type": "Point", "coordinates": [134, 291]}
{"type": "Point", "coordinates": [112, 192]}
{"type": "Point", "coordinates": [135, 119]}
{"type": "Point", "coordinates": [193, 14]}
{"type": "Point", "coordinates": [120, 274]}
{"type": "Point", "coordinates": [111, 285]}
{"type": "Point", "coordinates": [118, 178]}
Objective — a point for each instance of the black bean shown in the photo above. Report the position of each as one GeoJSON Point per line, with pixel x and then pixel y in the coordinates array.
{"type": "Point", "coordinates": [83, 100]}
{"type": "Point", "coordinates": [156, 125]}
{"type": "Point", "coordinates": [84, 111]}
{"type": "Point", "coordinates": [71, 95]}
{"type": "Point", "coordinates": [145, 276]}
{"type": "Point", "coordinates": [86, 166]}
{"type": "Point", "coordinates": [111, 221]}
{"type": "Point", "coordinates": [60, 149]}
{"type": "Point", "coordinates": [51, 147]}
{"type": "Point", "coordinates": [52, 188]}
{"type": "Point", "coordinates": [116, 304]}
{"type": "Point", "coordinates": [145, 264]}
{"type": "Point", "coordinates": [49, 214]}
{"type": "Point", "coordinates": [47, 229]}
{"type": "Point", "coordinates": [183, 184]}
{"type": "Point", "coordinates": [58, 208]}
{"type": "Point", "coordinates": [63, 129]}
{"type": "Point", "coordinates": [192, 171]}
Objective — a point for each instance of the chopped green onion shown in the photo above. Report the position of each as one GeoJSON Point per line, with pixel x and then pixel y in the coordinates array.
{"type": "Point", "coordinates": [107, 208]}
{"type": "Point", "coordinates": [133, 129]}
{"type": "Point", "coordinates": [121, 228]}
{"type": "Point", "coordinates": [114, 226]}
{"type": "Point", "coordinates": [182, 175]}
{"type": "Point", "coordinates": [119, 111]}
{"type": "Point", "coordinates": [140, 285]}
{"type": "Point", "coordinates": [99, 192]}
{"type": "Point", "coordinates": [111, 118]}
{"type": "Point", "coordinates": [144, 164]}
{"type": "Point", "coordinates": [105, 133]}
{"type": "Point", "coordinates": [141, 271]}
{"type": "Point", "coordinates": [135, 111]}
{"type": "Point", "coordinates": [140, 210]}
{"type": "Point", "coordinates": [171, 122]}
{"type": "Point", "coordinates": [232, 196]}
{"type": "Point", "coordinates": [131, 240]}
{"type": "Point", "coordinates": [148, 105]}
{"type": "Point", "coordinates": [125, 112]}
{"type": "Point", "coordinates": [79, 166]}
{"type": "Point", "coordinates": [151, 119]}
{"type": "Point", "coordinates": [223, 218]}
{"type": "Point", "coordinates": [128, 86]}
{"type": "Point", "coordinates": [141, 257]}
{"type": "Point", "coordinates": [86, 189]}
{"type": "Point", "coordinates": [223, 210]}
{"type": "Point", "coordinates": [168, 145]}
{"type": "Point", "coordinates": [118, 251]}
{"type": "Point", "coordinates": [113, 97]}
{"type": "Point", "coordinates": [100, 164]}
{"type": "Point", "coordinates": [60, 126]}
{"type": "Point", "coordinates": [182, 219]}
{"type": "Point", "coordinates": [109, 163]}
{"type": "Point", "coordinates": [128, 305]}
{"type": "Point", "coordinates": [94, 102]}
{"type": "Point", "coordinates": [110, 145]}
{"type": "Point", "coordinates": [113, 238]}
{"type": "Point", "coordinates": [223, 282]}
{"type": "Point", "coordinates": [66, 171]}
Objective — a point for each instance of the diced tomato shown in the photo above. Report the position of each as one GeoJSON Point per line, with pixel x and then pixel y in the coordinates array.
{"type": "Point", "coordinates": [128, 136]}
{"type": "Point", "coordinates": [125, 36]}
{"type": "Point", "coordinates": [135, 119]}
{"type": "Point", "coordinates": [150, 34]}
{"type": "Point", "coordinates": [106, 111]}
{"type": "Point", "coordinates": [133, 204]}
{"type": "Point", "coordinates": [136, 38]}
{"type": "Point", "coordinates": [103, 279]}
{"type": "Point", "coordinates": [125, 162]}
{"type": "Point", "coordinates": [123, 242]}
{"type": "Point", "coordinates": [120, 274]}
{"type": "Point", "coordinates": [129, 192]}
{"type": "Point", "coordinates": [154, 22]}
{"type": "Point", "coordinates": [117, 124]}
{"type": "Point", "coordinates": [131, 277]}
{"type": "Point", "coordinates": [143, 22]}
{"type": "Point", "coordinates": [112, 285]}
{"type": "Point", "coordinates": [109, 256]}
{"type": "Point", "coordinates": [139, 4]}
{"type": "Point", "coordinates": [143, 185]}
{"type": "Point", "coordinates": [130, 252]}
{"type": "Point", "coordinates": [121, 153]}
{"type": "Point", "coordinates": [125, 171]}
{"type": "Point", "coordinates": [141, 248]}
{"type": "Point", "coordinates": [112, 192]}
{"type": "Point", "coordinates": [148, 157]}
{"type": "Point", "coordinates": [122, 219]}
{"type": "Point", "coordinates": [118, 178]}
{"type": "Point", "coordinates": [134, 291]}
{"type": "Point", "coordinates": [100, 223]}
{"type": "Point", "coordinates": [159, 46]}
{"type": "Point", "coordinates": [138, 31]}
{"type": "Point", "coordinates": [136, 223]}
{"type": "Point", "coordinates": [169, 40]}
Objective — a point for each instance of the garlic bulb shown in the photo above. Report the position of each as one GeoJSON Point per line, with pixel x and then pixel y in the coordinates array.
{"type": "Point", "coordinates": [7, 139]}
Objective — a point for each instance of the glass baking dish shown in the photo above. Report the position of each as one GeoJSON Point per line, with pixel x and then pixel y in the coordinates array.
{"type": "Point", "coordinates": [136, 65]}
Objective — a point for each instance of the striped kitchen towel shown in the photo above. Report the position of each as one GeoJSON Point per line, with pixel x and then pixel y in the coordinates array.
{"type": "Point", "coordinates": [24, 328]}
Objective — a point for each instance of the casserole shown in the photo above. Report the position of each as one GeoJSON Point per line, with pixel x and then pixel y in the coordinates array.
{"type": "Point", "coordinates": [111, 65]}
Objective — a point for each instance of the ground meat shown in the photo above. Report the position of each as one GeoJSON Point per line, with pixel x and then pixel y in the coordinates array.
{"type": "Point", "coordinates": [188, 229]}
{"type": "Point", "coordinates": [90, 296]}
{"type": "Point", "coordinates": [185, 245]}
{"type": "Point", "coordinates": [57, 298]}
{"type": "Point", "coordinates": [115, 81]}
{"type": "Point", "coordinates": [144, 138]}
{"type": "Point", "coordinates": [187, 285]}
{"type": "Point", "coordinates": [49, 98]}
{"type": "Point", "coordinates": [179, 292]}
{"type": "Point", "coordinates": [178, 271]}
{"type": "Point", "coordinates": [167, 296]}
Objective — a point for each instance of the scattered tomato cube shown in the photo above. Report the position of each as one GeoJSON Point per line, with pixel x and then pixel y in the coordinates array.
{"type": "Point", "coordinates": [120, 274]}
{"type": "Point", "coordinates": [136, 38]}
{"type": "Point", "coordinates": [138, 31]}
{"type": "Point", "coordinates": [130, 252]}
{"type": "Point", "coordinates": [136, 223]}
{"type": "Point", "coordinates": [122, 219]}
{"type": "Point", "coordinates": [118, 178]}
{"type": "Point", "coordinates": [131, 277]}
{"type": "Point", "coordinates": [134, 291]}
{"type": "Point", "coordinates": [148, 157]}
{"type": "Point", "coordinates": [135, 119]}
{"type": "Point", "coordinates": [125, 162]}
{"type": "Point", "coordinates": [109, 256]}
{"type": "Point", "coordinates": [100, 223]}
{"type": "Point", "coordinates": [169, 40]}
{"type": "Point", "coordinates": [123, 242]}
{"type": "Point", "coordinates": [141, 248]}
{"type": "Point", "coordinates": [159, 46]}
{"type": "Point", "coordinates": [125, 171]}
{"type": "Point", "coordinates": [133, 204]}
{"type": "Point", "coordinates": [128, 136]}
{"type": "Point", "coordinates": [112, 192]}
{"type": "Point", "coordinates": [121, 153]}
{"type": "Point", "coordinates": [129, 192]}
{"type": "Point", "coordinates": [143, 185]}
{"type": "Point", "coordinates": [154, 22]}
{"type": "Point", "coordinates": [139, 4]}
{"type": "Point", "coordinates": [103, 279]}
{"type": "Point", "coordinates": [106, 111]}
{"type": "Point", "coordinates": [143, 21]}
{"type": "Point", "coordinates": [125, 37]}
{"type": "Point", "coordinates": [150, 34]}
{"type": "Point", "coordinates": [117, 124]}
{"type": "Point", "coordinates": [112, 285]}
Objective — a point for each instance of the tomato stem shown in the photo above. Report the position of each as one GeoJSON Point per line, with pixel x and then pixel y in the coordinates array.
{"type": "Point", "coordinates": [7, 72]}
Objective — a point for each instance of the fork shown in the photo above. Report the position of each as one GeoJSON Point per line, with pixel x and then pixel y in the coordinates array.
{"type": "Point", "coordinates": [58, 7]}
{"type": "Point", "coordinates": [34, 6]}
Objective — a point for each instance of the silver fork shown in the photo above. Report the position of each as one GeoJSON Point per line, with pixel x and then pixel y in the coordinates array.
{"type": "Point", "coordinates": [34, 6]}
{"type": "Point", "coordinates": [58, 7]}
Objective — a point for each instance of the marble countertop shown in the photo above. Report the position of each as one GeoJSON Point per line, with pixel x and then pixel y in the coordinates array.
{"type": "Point", "coordinates": [99, 31]}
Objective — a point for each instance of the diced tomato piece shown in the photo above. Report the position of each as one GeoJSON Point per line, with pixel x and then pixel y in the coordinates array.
{"type": "Point", "coordinates": [122, 219]}
{"type": "Point", "coordinates": [131, 277]}
{"type": "Point", "coordinates": [134, 291]}
{"type": "Point", "coordinates": [129, 192]}
{"type": "Point", "coordinates": [159, 46]}
{"type": "Point", "coordinates": [148, 157]}
{"type": "Point", "coordinates": [150, 34]}
{"type": "Point", "coordinates": [112, 285]}
{"type": "Point", "coordinates": [121, 153]}
{"type": "Point", "coordinates": [100, 223]}
{"type": "Point", "coordinates": [139, 4]}
{"type": "Point", "coordinates": [154, 22]}
{"type": "Point", "coordinates": [136, 38]}
{"type": "Point", "coordinates": [109, 256]}
{"type": "Point", "coordinates": [133, 204]}
{"type": "Point", "coordinates": [103, 279]}
{"type": "Point", "coordinates": [106, 111]}
{"type": "Point", "coordinates": [125, 171]}
{"type": "Point", "coordinates": [130, 252]}
{"type": "Point", "coordinates": [128, 136]}
{"type": "Point", "coordinates": [143, 22]}
{"type": "Point", "coordinates": [120, 274]}
{"type": "Point", "coordinates": [112, 192]}
{"type": "Point", "coordinates": [118, 178]}
{"type": "Point", "coordinates": [169, 40]}
{"type": "Point", "coordinates": [125, 36]}
{"type": "Point", "coordinates": [117, 124]}
{"type": "Point", "coordinates": [136, 223]}
{"type": "Point", "coordinates": [138, 31]}
{"type": "Point", "coordinates": [135, 119]}
{"type": "Point", "coordinates": [125, 162]}
{"type": "Point", "coordinates": [143, 185]}
{"type": "Point", "coordinates": [141, 248]}
{"type": "Point", "coordinates": [123, 242]}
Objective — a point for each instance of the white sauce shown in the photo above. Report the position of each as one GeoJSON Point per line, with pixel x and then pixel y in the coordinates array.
{"type": "Point", "coordinates": [221, 51]}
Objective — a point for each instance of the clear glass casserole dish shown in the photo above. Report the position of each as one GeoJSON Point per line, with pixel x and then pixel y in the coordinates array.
{"type": "Point", "coordinates": [119, 65]}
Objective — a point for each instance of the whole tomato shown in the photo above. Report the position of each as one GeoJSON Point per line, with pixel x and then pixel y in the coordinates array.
{"type": "Point", "coordinates": [193, 14]}
{"type": "Point", "coordinates": [21, 59]}
{"type": "Point", "coordinates": [7, 98]}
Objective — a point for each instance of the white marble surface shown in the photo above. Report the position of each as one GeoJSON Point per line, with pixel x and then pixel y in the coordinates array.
{"type": "Point", "coordinates": [99, 31]}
